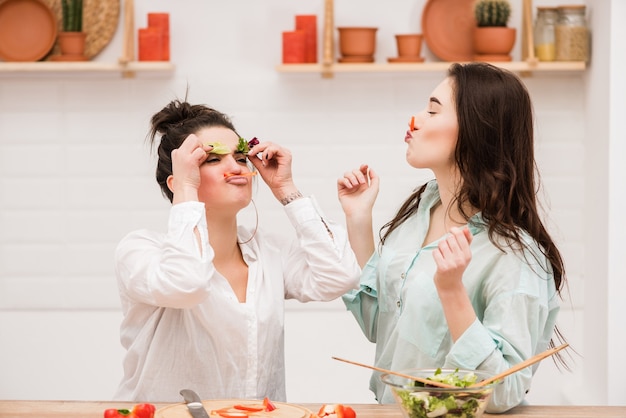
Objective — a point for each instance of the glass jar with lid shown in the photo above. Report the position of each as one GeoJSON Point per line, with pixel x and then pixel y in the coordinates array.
{"type": "Point", "coordinates": [571, 34]}
{"type": "Point", "coordinates": [545, 48]}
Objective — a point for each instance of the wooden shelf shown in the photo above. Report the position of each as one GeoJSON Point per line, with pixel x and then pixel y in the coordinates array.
{"type": "Point", "coordinates": [328, 67]}
{"type": "Point", "coordinates": [127, 70]}
{"type": "Point", "coordinates": [519, 66]}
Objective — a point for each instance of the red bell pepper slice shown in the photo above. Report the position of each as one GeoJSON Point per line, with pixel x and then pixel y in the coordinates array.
{"type": "Point", "coordinates": [269, 406]}
{"type": "Point", "coordinates": [250, 408]}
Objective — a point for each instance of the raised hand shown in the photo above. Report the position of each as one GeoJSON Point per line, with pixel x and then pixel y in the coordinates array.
{"type": "Point", "coordinates": [186, 162]}
{"type": "Point", "coordinates": [357, 190]}
{"type": "Point", "coordinates": [273, 163]}
{"type": "Point", "coordinates": [452, 256]}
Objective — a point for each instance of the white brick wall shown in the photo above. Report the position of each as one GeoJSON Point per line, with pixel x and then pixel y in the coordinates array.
{"type": "Point", "coordinates": [76, 175]}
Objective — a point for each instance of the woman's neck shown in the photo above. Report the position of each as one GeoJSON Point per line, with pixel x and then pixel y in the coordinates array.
{"type": "Point", "coordinates": [448, 193]}
{"type": "Point", "coordinates": [223, 236]}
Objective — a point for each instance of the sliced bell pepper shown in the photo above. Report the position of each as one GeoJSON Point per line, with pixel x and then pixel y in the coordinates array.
{"type": "Point", "coordinates": [250, 408]}
{"type": "Point", "coordinates": [269, 406]}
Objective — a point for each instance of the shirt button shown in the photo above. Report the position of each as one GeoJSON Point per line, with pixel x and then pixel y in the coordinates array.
{"type": "Point", "coordinates": [403, 275]}
{"type": "Point", "coordinates": [399, 303]}
{"type": "Point", "coordinates": [368, 289]}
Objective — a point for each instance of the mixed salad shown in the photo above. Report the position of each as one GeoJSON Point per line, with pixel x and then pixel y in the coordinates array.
{"type": "Point", "coordinates": [433, 403]}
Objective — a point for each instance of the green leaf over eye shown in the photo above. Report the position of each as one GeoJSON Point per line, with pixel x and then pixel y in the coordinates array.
{"type": "Point", "coordinates": [219, 148]}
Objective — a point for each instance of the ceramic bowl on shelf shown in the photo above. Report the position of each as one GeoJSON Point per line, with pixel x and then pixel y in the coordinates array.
{"type": "Point", "coordinates": [418, 400]}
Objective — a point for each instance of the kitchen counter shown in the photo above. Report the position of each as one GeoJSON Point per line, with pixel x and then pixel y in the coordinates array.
{"type": "Point", "coordinates": [95, 409]}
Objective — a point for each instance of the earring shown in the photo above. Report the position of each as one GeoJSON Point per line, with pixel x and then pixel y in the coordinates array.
{"type": "Point", "coordinates": [256, 224]}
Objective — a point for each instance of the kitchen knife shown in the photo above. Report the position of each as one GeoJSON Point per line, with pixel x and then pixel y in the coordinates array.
{"type": "Point", "coordinates": [194, 404]}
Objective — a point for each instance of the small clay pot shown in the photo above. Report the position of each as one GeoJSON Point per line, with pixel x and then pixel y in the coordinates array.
{"type": "Point", "coordinates": [409, 45]}
{"type": "Point", "coordinates": [493, 41]}
{"type": "Point", "coordinates": [72, 43]}
{"type": "Point", "coordinates": [357, 41]}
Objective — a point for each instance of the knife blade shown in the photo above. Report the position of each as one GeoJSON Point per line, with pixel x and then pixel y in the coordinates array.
{"type": "Point", "coordinates": [194, 404]}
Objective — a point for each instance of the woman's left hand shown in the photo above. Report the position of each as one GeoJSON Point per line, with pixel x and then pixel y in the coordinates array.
{"type": "Point", "coordinates": [452, 257]}
{"type": "Point", "coordinates": [273, 163]}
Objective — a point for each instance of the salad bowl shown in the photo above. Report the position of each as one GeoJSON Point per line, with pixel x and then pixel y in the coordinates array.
{"type": "Point", "coordinates": [419, 400]}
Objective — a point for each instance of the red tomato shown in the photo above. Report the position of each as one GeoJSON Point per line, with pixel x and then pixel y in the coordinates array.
{"type": "Point", "coordinates": [143, 410]}
{"type": "Point", "coordinates": [116, 413]}
{"type": "Point", "coordinates": [336, 411]}
{"type": "Point", "coordinates": [348, 412]}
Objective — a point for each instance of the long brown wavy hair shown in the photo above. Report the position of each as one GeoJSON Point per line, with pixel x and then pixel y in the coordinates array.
{"type": "Point", "coordinates": [495, 158]}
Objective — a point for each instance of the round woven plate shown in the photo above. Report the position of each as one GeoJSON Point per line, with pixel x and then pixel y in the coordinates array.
{"type": "Point", "coordinates": [283, 410]}
{"type": "Point", "coordinates": [100, 21]}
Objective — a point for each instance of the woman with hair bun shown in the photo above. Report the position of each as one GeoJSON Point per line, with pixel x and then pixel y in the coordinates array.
{"type": "Point", "coordinates": [203, 301]}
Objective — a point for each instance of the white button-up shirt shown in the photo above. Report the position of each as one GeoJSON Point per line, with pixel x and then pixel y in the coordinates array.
{"type": "Point", "coordinates": [183, 326]}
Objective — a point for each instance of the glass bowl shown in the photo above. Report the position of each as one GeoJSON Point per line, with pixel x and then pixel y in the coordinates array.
{"type": "Point", "coordinates": [419, 401]}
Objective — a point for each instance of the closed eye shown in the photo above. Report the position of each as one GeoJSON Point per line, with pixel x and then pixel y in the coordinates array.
{"type": "Point", "coordinates": [241, 158]}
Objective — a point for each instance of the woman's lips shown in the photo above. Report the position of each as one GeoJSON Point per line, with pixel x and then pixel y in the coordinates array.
{"type": "Point", "coordinates": [239, 178]}
{"type": "Point", "coordinates": [408, 136]}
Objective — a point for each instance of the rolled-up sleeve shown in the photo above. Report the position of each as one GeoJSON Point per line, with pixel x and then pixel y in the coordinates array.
{"type": "Point", "coordinates": [319, 265]}
{"type": "Point", "coordinates": [170, 270]}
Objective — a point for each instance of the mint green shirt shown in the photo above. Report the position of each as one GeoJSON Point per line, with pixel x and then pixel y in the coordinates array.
{"type": "Point", "coordinates": [398, 308]}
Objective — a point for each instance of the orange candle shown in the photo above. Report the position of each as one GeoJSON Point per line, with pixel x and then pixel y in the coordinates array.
{"type": "Point", "coordinates": [150, 44]}
{"type": "Point", "coordinates": [162, 21]}
{"type": "Point", "coordinates": [308, 24]}
{"type": "Point", "coordinates": [294, 47]}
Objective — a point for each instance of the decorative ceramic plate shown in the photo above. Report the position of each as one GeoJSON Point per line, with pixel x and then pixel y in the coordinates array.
{"type": "Point", "coordinates": [447, 27]}
{"type": "Point", "coordinates": [283, 410]}
{"type": "Point", "coordinates": [28, 30]}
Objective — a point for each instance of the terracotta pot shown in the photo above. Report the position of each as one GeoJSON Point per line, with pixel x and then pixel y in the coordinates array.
{"type": "Point", "coordinates": [409, 45]}
{"type": "Point", "coordinates": [357, 41]}
{"type": "Point", "coordinates": [494, 41]}
{"type": "Point", "coordinates": [72, 43]}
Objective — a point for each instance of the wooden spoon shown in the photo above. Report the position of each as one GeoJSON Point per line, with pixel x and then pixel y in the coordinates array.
{"type": "Point", "coordinates": [417, 379]}
{"type": "Point", "coordinates": [521, 365]}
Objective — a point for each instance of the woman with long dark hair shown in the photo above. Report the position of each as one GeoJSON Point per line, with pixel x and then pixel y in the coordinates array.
{"type": "Point", "coordinates": [465, 275]}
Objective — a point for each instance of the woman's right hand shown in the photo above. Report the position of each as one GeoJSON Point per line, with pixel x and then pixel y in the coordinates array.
{"type": "Point", "coordinates": [357, 190]}
{"type": "Point", "coordinates": [186, 162]}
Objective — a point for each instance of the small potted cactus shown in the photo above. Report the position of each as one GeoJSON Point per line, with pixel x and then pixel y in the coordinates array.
{"type": "Point", "coordinates": [492, 39]}
{"type": "Point", "coordinates": [72, 38]}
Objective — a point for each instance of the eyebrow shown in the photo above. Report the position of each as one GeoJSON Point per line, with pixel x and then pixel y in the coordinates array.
{"type": "Point", "coordinates": [435, 100]}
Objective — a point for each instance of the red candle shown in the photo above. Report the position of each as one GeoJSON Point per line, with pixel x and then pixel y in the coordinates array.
{"type": "Point", "coordinates": [150, 44]}
{"type": "Point", "coordinates": [162, 21]}
{"type": "Point", "coordinates": [294, 47]}
{"type": "Point", "coordinates": [308, 23]}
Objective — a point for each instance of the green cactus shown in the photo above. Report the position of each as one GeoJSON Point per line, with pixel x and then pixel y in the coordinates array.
{"type": "Point", "coordinates": [492, 12]}
{"type": "Point", "coordinates": [72, 15]}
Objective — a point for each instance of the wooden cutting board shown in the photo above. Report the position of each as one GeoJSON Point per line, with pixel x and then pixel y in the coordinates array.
{"type": "Point", "coordinates": [283, 410]}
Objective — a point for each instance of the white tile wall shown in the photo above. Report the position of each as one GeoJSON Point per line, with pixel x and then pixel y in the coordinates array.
{"type": "Point", "coordinates": [76, 175]}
